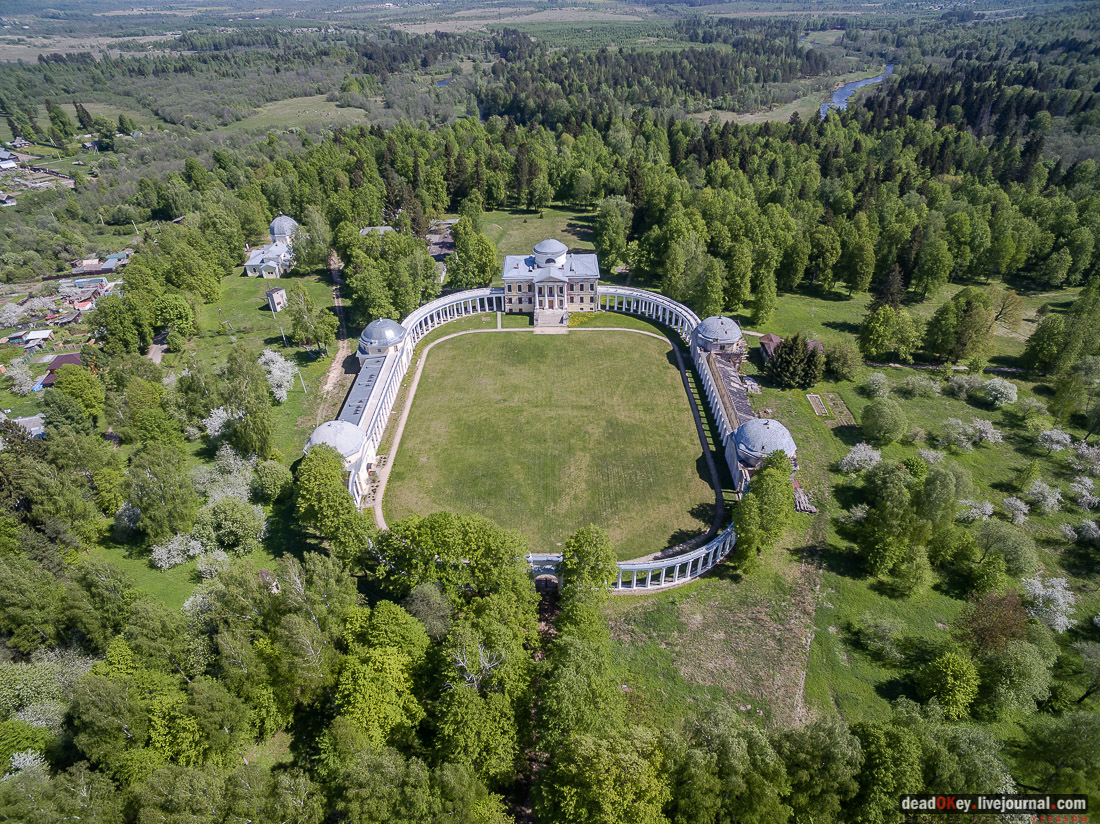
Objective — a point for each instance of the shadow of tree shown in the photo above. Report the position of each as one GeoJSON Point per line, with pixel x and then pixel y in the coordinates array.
{"type": "Point", "coordinates": [843, 560]}
{"type": "Point", "coordinates": [842, 326]}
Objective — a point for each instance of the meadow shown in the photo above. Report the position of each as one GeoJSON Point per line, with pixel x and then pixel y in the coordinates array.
{"type": "Point", "coordinates": [546, 434]}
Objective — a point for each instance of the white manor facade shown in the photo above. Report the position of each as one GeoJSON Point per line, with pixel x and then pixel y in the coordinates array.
{"type": "Point", "coordinates": [550, 278]}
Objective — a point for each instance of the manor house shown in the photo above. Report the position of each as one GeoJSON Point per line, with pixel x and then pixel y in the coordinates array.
{"type": "Point", "coordinates": [551, 277]}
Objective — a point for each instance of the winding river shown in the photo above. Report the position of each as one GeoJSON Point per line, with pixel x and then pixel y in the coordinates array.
{"type": "Point", "coordinates": [839, 100]}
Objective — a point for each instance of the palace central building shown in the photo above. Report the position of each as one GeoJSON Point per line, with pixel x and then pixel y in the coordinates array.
{"type": "Point", "coordinates": [551, 277]}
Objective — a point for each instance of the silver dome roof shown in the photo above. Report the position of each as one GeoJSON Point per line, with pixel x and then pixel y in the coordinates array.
{"type": "Point", "coordinates": [346, 438]}
{"type": "Point", "coordinates": [760, 437]}
{"type": "Point", "coordinates": [718, 329]}
{"type": "Point", "coordinates": [550, 247]}
{"type": "Point", "coordinates": [382, 332]}
{"type": "Point", "coordinates": [283, 225]}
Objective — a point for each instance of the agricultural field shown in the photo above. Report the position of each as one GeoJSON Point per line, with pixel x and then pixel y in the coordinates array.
{"type": "Point", "coordinates": [551, 433]}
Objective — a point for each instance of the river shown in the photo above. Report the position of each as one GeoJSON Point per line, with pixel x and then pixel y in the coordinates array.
{"type": "Point", "coordinates": [839, 100]}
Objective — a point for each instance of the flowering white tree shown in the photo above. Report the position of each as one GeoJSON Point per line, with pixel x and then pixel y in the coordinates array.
{"type": "Point", "coordinates": [1030, 408]}
{"type": "Point", "coordinates": [211, 563]}
{"type": "Point", "coordinates": [860, 456]}
{"type": "Point", "coordinates": [918, 386]}
{"type": "Point", "coordinates": [963, 386]}
{"type": "Point", "coordinates": [930, 456]}
{"type": "Point", "coordinates": [1017, 509]}
{"type": "Point", "coordinates": [1087, 458]}
{"type": "Point", "coordinates": [975, 510]}
{"type": "Point", "coordinates": [1083, 492]}
{"type": "Point", "coordinates": [1088, 531]}
{"type": "Point", "coordinates": [1045, 497]}
{"type": "Point", "coordinates": [216, 421]}
{"type": "Point", "coordinates": [1000, 392]}
{"type": "Point", "coordinates": [877, 385]}
{"type": "Point", "coordinates": [10, 314]}
{"type": "Point", "coordinates": [1054, 440]}
{"type": "Point", "coordinates": [965, 436]}
{"type": "Point", "coordinates": [229, 476]}
{"type": "Point", "coordinates": [983, 431]}
{"type": "Point", "coordinates": [22, 382]}
{"type": "Point", "coordinates": [280, 373]}
{"type": "Point", "coordinates": [175, 551]}
{"type": "Point", "coordinates": [48, 714]}
{"type": "Point", "coordinates": [954, 433]}
{"type": "Point", "coordinates": [1051, 600]}
{"type": "Point", "coordinates": [26, 760]}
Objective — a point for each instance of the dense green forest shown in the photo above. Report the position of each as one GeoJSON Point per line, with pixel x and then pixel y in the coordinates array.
{"type": "Point", "coordinates": [322, 670]}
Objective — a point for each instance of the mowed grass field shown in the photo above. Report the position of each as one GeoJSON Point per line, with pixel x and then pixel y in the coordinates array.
{"type": "Point", "coordinates": [546, 434]}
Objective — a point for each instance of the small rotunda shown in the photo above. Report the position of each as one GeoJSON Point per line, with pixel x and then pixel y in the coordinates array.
{"type": "Point", "coordinates": [755, 440]}
{"type": "Point", "coordinates": [719, 334]}
{"type": "Point", "coordinates": [283, 229]}
{"type": "Point", "coordinates": [351, 442]}
{"type": "Point", "coordinates": [380, 338]}
{"type": "Point", "coordinates": [550, 253]}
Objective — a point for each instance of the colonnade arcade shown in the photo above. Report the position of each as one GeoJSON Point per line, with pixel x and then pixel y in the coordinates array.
{"type": "Point", "coordinates": [632, 575]}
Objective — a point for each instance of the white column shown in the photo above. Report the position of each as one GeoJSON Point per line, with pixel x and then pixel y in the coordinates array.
{"type": "Point", "coordinates": [620, 584]}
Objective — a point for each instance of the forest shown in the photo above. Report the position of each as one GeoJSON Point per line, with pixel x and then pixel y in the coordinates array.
{"type": "Point", "coordinates": [323, 670]}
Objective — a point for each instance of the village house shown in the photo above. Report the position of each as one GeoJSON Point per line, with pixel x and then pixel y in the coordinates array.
{"type": "Point", "coordinates": [275, 259]}
{"type": "Point", "coordinates": [71, 359]}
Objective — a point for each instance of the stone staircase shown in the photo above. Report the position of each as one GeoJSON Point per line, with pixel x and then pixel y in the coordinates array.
{"type": "Point", "coordinates": [551, 318]}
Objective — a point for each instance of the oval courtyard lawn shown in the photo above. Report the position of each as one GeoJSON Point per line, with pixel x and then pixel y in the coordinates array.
{"type": "Point", "coordinates": [548, 433]}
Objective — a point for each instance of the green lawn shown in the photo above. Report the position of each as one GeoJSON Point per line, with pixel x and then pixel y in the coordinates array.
{"type": "Point", "coordinates": [546, 434]}
{"type": "Point", "coordinates": [515, 232]}
{"type": "Point", "coordinates": [298, 111]}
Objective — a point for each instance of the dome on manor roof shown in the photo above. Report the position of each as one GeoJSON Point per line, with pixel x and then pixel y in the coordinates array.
{"type": "Point", "coordinates": [283, 225]}
{"type": "Point", "coordinates": [718, 329]}
{"type": "Point", "coordinates": [550, 247]}
{"type": "Point", "coordinates": [346, 438]}
{"type": "Point", "coordinates": [382, 332]}
{"type": "Point", "coordinates": [760, 437]}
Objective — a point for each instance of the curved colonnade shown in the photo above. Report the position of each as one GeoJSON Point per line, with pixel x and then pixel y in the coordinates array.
{"type": "Point", "coordinates": [634, 576]}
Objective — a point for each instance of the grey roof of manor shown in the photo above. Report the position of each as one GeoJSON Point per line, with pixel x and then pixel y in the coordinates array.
{"type": "Point", "coordinates": [382, 332]}
{"type": "Point", "coordinates": [550, 246]}
{"type": "Point", "coordinates": [718, 329]}
{"type": "Point", "coordinates": [283, 225]}
{"type": "Point", "coordinates": [346, 438]}
{"type": "Point", "coordinates": [760, 437]}
{"type": "Point", "coordinates": [525, 267]}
